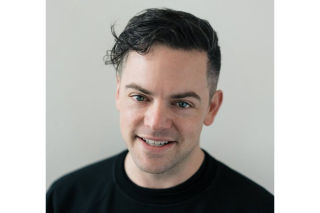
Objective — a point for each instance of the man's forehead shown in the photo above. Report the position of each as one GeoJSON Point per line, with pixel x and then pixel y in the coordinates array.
{"type": "Point", "coordinates": [167, 70]}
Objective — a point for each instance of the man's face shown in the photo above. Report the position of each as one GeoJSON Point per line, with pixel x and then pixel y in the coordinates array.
{"type": "Point", "coordinates": [163, 96]}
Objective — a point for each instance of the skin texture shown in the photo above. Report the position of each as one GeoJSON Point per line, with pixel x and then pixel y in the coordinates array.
{"type": "Point", "coordinates": [149, 107]}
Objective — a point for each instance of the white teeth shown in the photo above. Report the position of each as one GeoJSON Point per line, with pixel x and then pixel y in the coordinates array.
{"type": "Point", "coordinates": [155, 143]}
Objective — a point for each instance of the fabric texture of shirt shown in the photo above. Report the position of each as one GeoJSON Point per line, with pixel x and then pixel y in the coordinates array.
{"type": "Point", "coordinates": [105, 187]}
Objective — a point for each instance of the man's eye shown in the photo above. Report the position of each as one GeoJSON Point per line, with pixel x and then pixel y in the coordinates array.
{"type": "Point", "coordinates": [181, 104]}
{"type": "Point", "coordinates": [139, 96]}
{"type": "Point", "coordinates": [184, 104]}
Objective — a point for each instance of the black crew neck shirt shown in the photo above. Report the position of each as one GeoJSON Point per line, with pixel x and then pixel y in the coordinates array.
{"type": "Point", "coordinates": [105, 187]}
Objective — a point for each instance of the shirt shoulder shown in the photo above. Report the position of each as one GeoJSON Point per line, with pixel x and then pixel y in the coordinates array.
{"type": "Point", "coordinates": [234, 191]}
{"type": "Point", "coordinates": [82, 188]}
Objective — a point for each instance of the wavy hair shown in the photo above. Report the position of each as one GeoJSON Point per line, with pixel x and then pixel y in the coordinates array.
{"type": "Point", "coordinates": [175, 29]}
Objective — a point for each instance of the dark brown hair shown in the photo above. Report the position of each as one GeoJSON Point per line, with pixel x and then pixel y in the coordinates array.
{"type": "Point", "coordinates": [175, 29]}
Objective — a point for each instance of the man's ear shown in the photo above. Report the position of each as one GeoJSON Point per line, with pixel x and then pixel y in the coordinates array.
{"type": "Point", "coordinates": [118, 93]}
{"type": "Point", "coordinates": [214, 106]}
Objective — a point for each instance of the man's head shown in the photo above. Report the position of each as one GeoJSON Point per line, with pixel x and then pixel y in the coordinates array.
{"type": "Point", "coordinates": [162, 90]}
{"type": "Point", "coordinates": [174, 29]}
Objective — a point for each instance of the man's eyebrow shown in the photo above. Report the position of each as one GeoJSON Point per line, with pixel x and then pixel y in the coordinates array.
{"type": "Point", "coordinates": [176, 96]}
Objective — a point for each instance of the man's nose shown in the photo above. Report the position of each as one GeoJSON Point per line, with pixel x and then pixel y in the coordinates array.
{"type": "Point", "coordinates": [157, 117]}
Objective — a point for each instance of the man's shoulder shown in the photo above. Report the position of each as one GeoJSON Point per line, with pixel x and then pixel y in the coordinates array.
{"type": "Point", "coordinates": [89, 173]}
{"type": "Point", "coordinates": [239, 190]}
{"type": "Point", "coordinates": [83, 185]}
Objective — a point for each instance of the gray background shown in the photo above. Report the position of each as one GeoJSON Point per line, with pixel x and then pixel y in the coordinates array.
{"type": "Point", "coordinates": [82, 120]}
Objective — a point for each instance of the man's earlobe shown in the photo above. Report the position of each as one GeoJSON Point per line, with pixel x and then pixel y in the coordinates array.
{"type": "Point", "coordinates": [214, 107]}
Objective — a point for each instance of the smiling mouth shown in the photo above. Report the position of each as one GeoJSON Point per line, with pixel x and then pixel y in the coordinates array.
{"type": "Point", "coordinates": [145, 139]}
{"type": "Point", "coordinates": [155, 143]}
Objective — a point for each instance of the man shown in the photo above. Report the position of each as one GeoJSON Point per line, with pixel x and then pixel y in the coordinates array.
{"type": "Point", "coordinates": [167, 65]}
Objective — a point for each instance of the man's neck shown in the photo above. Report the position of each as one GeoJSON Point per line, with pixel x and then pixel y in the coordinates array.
{"type": "Point", "coordinates": [168, 179]}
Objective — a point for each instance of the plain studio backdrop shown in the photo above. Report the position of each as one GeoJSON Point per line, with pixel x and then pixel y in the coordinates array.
{"type": "Point", "coordinates": [82, 119]}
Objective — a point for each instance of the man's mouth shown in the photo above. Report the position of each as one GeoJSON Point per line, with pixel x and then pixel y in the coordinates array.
{"type": "Point", "coordinates": [155, 142]}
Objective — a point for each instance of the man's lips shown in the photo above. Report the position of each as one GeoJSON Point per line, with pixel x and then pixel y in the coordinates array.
{"type": "Point", "coordinates": [156, 147]}
{"type": "Point", "coordinates": [156, 139]}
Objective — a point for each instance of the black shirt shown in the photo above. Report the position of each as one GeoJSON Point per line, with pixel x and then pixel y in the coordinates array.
{"type": "Point", "coordinates": [105, 187]}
